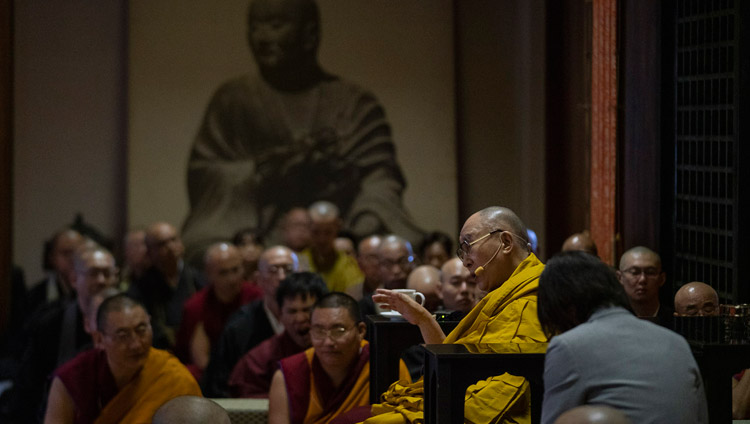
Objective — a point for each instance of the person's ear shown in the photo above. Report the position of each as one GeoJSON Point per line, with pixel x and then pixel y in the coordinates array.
{"type": "Point", "coordinates": [507, 239]}
{"type": "Point", "coordinates": [362, 330]}
{"type": "Point", "coordinates": [98, 337]}
{"type": "Point", "coordinates": [619, 275]}
{"type": "Point", "coordinates": [311, 36]}
{"type": "Point", "coordinates": [662, 278]}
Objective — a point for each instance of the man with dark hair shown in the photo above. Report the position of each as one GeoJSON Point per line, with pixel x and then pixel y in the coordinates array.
{"type": "Point", "coordinates": [252, 323]}
{"type": "Point", "coordinates": [436, 248]}
{"type": "Point", "coordinates": [641, 275]}
{"type": "Point", "coordinates": [330, 378]}
{"type": "Point", "coordinates": [251, 246]}
{"type": "Point", "coordinates": [165, 286]}
{"type": "Point", "coordinates": [297, 294]}
{"type": "Point", "coordinates": [206, 313]}
{"type": "Point", "coordinates": [600, 353]}
{"type": "Point", "coordinates": [290, 135]}
{"type": "Point", "coordinates": [123, 380]}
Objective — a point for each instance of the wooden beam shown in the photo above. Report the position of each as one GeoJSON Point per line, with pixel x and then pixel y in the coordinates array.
{"type": "Point", "coordinates": [604, 128]}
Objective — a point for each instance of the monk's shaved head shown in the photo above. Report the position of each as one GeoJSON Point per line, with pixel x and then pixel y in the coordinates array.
{"type": "Point", "coordinates": [639, 251]}
{"type": "Point", "coordinates": [696, 298]}
{"type": "Point", "coordinates": [496, 217]}
{"type": "Point", "coordinates": [323, 211]}
{"type": "Point", "coordinates": [592, 414]}
{"type": "Point", "coordinates": [426, 279]}
{"type": "Point", "coordinates": [580, 242]}
{"type": "Point", "coordinates": [191, 410]}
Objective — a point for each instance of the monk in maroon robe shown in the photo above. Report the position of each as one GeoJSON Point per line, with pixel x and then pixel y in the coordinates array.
{"type": "Point", "coordinates": [206, 313]}
{"type": "Point", "coordinates": [297, 294]}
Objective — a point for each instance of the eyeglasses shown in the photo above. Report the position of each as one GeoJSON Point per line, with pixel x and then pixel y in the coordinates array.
{"type": "Point", "coordinates": [274, 269]}
{"type": "Point", "coordinates": [107, 273]}
{"type": "Point", "coordinates": [465, 247]}
{"type": "Point", "coordinates": [647, 272]}
{"type": "Point", "coordinates": [335, 333]}
{"type": "Point", "coordinates": [124, 336]}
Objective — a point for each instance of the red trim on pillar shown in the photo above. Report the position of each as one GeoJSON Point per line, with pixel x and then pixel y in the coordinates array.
{"type": "Point", "coordinates": [604, 127]}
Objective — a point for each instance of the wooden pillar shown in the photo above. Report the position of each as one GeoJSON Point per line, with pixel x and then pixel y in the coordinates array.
{"type": "Point", "coordinates": [6, 156]}
{"type": "Point", "coordinates": [604, 128]}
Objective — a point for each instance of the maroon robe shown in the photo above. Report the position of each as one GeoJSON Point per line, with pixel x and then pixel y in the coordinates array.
{"type": "Point", "coordinates": [205, 307]}
{"type": "Point", "coordinates": [251, 377]}
{"type": "Point", "coordinates": [89, 383]}
{"type": "Point", "coordinates": [303, 375]}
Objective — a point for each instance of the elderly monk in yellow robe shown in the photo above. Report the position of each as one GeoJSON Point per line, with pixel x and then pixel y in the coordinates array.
{"type": "Point", "coordinates": [494, 248]}
{"type": "Point", "coordinates": [124, 379]}
{"type": "Point", "coordinates": [332, 377]}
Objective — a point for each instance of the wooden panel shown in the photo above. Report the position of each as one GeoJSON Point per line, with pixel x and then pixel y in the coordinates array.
{"type": "Point", "coordinates": [604, 127]}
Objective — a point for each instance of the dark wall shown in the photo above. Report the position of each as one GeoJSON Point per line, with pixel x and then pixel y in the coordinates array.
{"type": "Point", "coordinates": [568, 120]}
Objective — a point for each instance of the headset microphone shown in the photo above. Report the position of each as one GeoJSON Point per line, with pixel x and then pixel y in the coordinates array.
{"type": "Point", "coordinates": [480, 269]}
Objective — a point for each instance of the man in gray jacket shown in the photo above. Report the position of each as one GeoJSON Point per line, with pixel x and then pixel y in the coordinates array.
{"type": "Point", "coordinates": [600, 353]}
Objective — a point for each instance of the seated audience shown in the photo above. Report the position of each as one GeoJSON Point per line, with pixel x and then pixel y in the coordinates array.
{"type": "Point", "coordinates": [191, 410]}
{"type": "Point", "coordinates": [641, 275]}
{"type": "Point", "coordinates": [395, 262]}
{"type": "Point", "coordinates": [345, 243]}
{"type": "Point", "coordinates": [330, 378]}
{"type": "Point", "coordinates": [136, 260]}
{"type": "Point", "coordinates": [165, 286]}
{"type": "Point", "coordinates": [206, 313]}
{"type": "Point", "coordinates": [339, 270]}
{"type": "Point", "coordinates": [296, 232]}
{"type": "Point", "coordinates": [58, 334]}
{"type": "Point", "coordinates": [436, 248]}
{"type": "Point", "coordinates": [696, 299]}
{"type": "Point", "coordinates": [592, 414]}
{"type": "Point", "coordinates": [426, 280]}
{"type": "Point", "coordinates": [459, 289]}
{"type": "Point", "coordinates": [251, 246]}
{"type": "Point", "coordinates": [493, 249]}
{"type": "Point", "coordinates": [252, 323]}
{"type": "Point", "coordinates": [122, 380]}
{"type": "Point", "coordinates": [296, 295]}
{"type": "Point", "coordinates": [367, 259]}
{"type": "Point", "coordinates": [600, 353]}
{"type": "Point", "coordinates": [580, 242]}
{"type": "Point", "coordinates": [59, 254]}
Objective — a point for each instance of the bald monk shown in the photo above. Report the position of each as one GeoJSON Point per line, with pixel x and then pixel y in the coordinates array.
{"type": "Point", "coordinates": [206, 312]}
{"type": "Point", "coordinates": [191, 410]}
{"type": "Point", "coordinates": [696, 299]}
{"type": "Point", "coordinates": [426, 280]}
{"type": "Point", "coordinates": [123, 380]}
{"type": "Point", "coordinates": [459, 287]}
{"type": "Point", "coordinates": [493, 248]}
{"type": "Point", "coordinates": [330, 378]}
{"type": "Point", "coordinates": [641, 276]}
{"type": "Point", "coordinates": [339, 270]}
{"type": "Point", "coordinates": [580, 242]}
{"type": "Point", "coordinates": [592, 414]}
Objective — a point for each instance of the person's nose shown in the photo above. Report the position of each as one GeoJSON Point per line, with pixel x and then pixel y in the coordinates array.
{"type": "Point", "coordinates": [464, 288]}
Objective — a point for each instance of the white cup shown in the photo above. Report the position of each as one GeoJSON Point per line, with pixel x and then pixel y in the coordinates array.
{"type": "Point", "coordinates": [412, 294]}
{"type": "Point", "coordinates": [381, 310]}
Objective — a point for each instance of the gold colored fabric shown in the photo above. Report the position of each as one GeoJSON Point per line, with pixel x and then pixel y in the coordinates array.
{"type": "Point", "coordinates": [507, 314]}
{"type": "Point", "coordinates": [162, 378]}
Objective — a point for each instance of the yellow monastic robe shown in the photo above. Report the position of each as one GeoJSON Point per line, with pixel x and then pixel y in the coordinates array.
{"type": "Point", "coordinates": [344, 274]}
{"type": "Point", "coordinates": [162, 378]}
{"type": "Point", "coordinates": [506, 315]}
